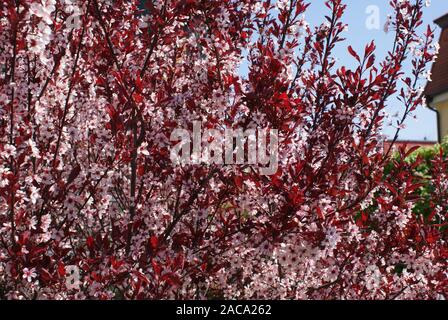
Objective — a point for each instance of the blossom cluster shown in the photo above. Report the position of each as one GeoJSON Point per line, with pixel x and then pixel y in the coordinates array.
{"type": "Point", "coordinates": [90, 92]}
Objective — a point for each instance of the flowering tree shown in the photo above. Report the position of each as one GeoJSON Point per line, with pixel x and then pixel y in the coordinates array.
{"type": "Point", "coordinates": [91, 91]}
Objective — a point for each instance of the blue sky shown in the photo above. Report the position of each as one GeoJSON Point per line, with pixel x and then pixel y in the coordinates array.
{"type": "Point", "coordinates": [358, 35]}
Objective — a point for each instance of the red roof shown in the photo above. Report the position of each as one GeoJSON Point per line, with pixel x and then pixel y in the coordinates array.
{"type": "Point", "coordinates": [408, 144]}
{"type": "Point", "coordinates": [439, 83]}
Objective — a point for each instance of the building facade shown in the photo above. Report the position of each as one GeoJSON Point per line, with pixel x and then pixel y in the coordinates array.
{"type": "Point", "coordinates": [436, 91]}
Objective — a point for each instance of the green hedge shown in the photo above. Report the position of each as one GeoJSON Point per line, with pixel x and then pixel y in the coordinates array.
{"type": "Point", "coordinates": [425, 171]}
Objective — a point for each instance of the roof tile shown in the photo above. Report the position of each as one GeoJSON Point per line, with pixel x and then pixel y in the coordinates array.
{"type": "Point", "coordinates": [439, 83]}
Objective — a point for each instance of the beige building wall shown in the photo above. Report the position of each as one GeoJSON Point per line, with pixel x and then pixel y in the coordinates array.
{"type": "Point", "coordinates": [443, 110]}
{"type": "Point", "coordinates": [441, 104]}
